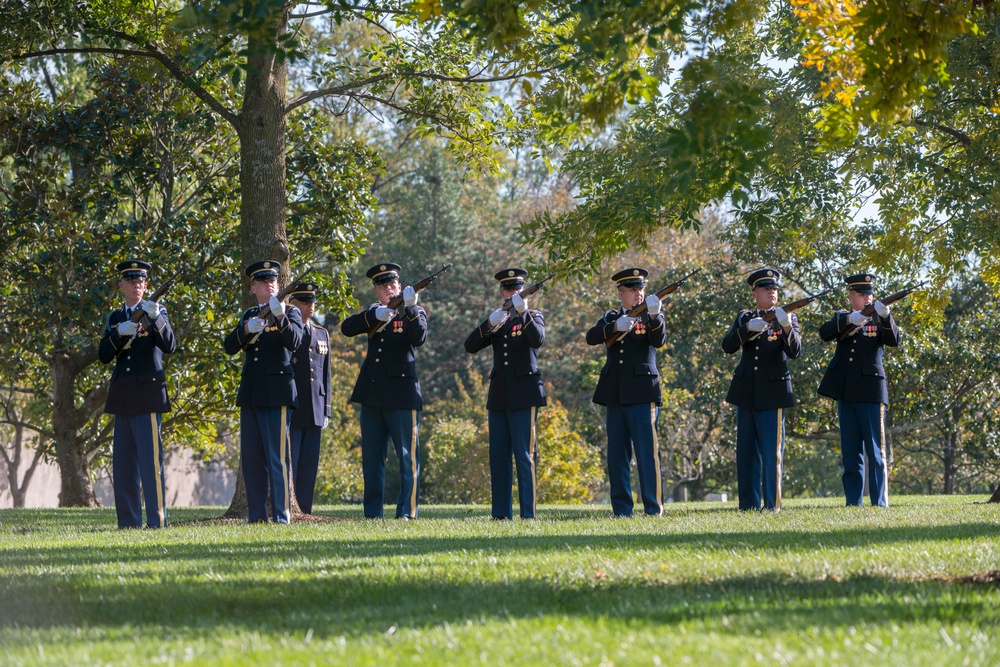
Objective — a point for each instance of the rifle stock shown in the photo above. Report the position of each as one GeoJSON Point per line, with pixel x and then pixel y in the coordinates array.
{"type": "Point", "coordinates": [869, 310]}
{"type": "Point", "coordinates": [266, 310]}
{"type": "Point", "coordinates": [791, 307]}
{"type": "Point", "coordinates": [508, 304]}
{"type": "Point", "coordinates": [397, 301]}
{"type": "Point", "coordinates": [638, 310]}
{"type": "Point", "coordinates": [139, 313]}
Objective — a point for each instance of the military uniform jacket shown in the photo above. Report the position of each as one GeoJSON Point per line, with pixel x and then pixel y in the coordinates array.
{"type": "Point", "coordinates": [629, 375]}
{"type": "Point", "coordinates": [515, 381]}
{"type": "Point", "coordinates": [761, 380]}
{"type": "Point", "coordinates": [268, 379]}
{"type": "Point", "coordinates": [388, 377]}
{"type": "Point", "coordinates": [311, 361]}
{"type": "Point", "coordinates": [855, 373]}
{"type": "Point", "coordinates": [138, 384]}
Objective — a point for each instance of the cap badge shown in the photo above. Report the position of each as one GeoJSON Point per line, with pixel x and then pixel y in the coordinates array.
{"type": "Point", "coordinates": [635, 272]}
{"type": "Point", "coordinates": [382, 268]}
{"type": "Point", "coordinates": [267, 265]}
{"type": "Point", "coordinates": [134, 265]}
{"type": "Point", "coordinates": [510, 273]}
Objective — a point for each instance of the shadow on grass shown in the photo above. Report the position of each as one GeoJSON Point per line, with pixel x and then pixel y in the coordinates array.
{"type": "Point", "coordinates": [353, 606]}
{"type": "Point", "coordinates": [354, 585]}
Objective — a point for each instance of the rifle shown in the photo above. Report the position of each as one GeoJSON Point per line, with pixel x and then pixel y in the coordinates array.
{"type": "Point", "coordinates": [397, 301]}
{"type": "Point", "coordinates": [639, 309]}
{"type": "Point", "coordinates": [790, 307]}
{"type": "Point", "coordinates": [138, 313]}
{"type": "Point", "coordinates": [508, 305]}
{"type": "Point", "coordinates": [869, 310]}
{"type": "Point", "coordinates": [266, 310]}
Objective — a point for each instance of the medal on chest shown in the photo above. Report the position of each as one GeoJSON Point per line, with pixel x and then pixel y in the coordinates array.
{"type": "Point", "coordinates": [397, 326]}
{"type": "Point", "coordinates": [870, 330]}
{"type": "Point", "coordinates": [516, 330]}
{"type": "Point", "coordinates": [322, 347]}
{"type": "Point", "coordinates": [639, 328]}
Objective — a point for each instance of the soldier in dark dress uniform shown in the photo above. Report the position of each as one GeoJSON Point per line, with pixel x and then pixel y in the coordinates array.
{"type": "Point", "coordinates": [515, 394]}
{"type": "Point", "coordinates": [267, 393]}
{"type": "Point", "coordinates": [761, 389]}
{"type": "Point", "coordinates": [137, 398]}
{"type": "Point", "coordinates": [629, 388]}
{"type": "Point", "coordinates": [389, 391]}
{"type": "Point", "coordinates": [855, 379]}
{"type": "Point", "coordinates": [312, 381]}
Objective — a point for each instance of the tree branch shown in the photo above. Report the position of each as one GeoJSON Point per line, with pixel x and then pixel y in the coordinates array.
{"type": "Point", "coordinates": [347, 87]}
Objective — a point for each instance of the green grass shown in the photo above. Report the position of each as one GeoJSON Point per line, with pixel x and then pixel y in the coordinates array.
{"type": "Point", "coordinates": [817, 584]}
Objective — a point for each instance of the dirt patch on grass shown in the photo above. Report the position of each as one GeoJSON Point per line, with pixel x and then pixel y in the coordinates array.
{"type": "Point", "coordinates": [223, 520]}
{"type": "Point", "coordinates": [989, 577]}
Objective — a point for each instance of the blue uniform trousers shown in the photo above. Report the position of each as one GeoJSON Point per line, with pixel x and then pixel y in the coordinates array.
{"type": "Point", "coordinates": [137, 456]}
{"type": "Point", "coordinates": [378, 425]}
{"type": "Point", "coordinates": [862, 432]}
{"type": "Point", "coordinates": [760, 450]}
{"type": "Point", "coordinates": [265, 458]}
{"type": "Point", "coordinates": [513, 432]}
{"type": "Point", "coordinates": [305, 463]}
{"type": "Point", "coordinates": [633, 428]}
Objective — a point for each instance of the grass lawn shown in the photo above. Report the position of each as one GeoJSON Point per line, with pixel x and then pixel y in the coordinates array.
{"type": "Point", "coordinates": [817, 584]}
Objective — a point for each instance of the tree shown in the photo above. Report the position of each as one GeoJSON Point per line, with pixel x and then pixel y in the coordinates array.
{"type": "Point", "coordinates": [89, 180]}
{"type": "Point", "coordinates": [234, 58]}
{"type": "Point", "coordinates": [17, 442]}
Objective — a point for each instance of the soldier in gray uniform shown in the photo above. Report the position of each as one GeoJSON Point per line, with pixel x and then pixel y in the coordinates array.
{"type": "Point", "coordinates": [311, 361]}
{"type": "Point", "coordinates": [516, 393]}
{"type": "Point", "coordinates": [137, 398]}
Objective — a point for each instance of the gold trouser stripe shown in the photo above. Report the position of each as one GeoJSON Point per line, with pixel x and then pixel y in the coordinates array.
{"type": "Point", "coordinates": [282, 450]}
{"type": "Point", "coordinates": [157, 473]}
{"type": "Point", "coordinates": [779, 441]}
{"type": "Point", "coordinates": [531, 457]}
{"type": "Point", "coordinates": [656, 458]}
{"type": "Point", "coordinates": [413, 463]}
{"type": "Point", "coordinates": [885, 459]}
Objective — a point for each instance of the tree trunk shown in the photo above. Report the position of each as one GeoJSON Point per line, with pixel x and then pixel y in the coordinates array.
{"type": "Point", "coordinates": [76, 489]}
{"type": "Point", "coordinates": [261, 129]}
{"type": "Point", "coordinates": [995, 498]}
{"type": "Point", "coordinates": [19, 490]}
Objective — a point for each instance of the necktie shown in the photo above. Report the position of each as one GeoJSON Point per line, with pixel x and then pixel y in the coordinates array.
{"type": "Point", "coordinates": [128, 313]}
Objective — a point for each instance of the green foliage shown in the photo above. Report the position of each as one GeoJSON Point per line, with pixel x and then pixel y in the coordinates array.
{"type": "Point", "coordinates": [86, 186]}
{"type": "Point", "coordinates": [570, 470]}
{"type": "Point", "coordinates": [339, 478]}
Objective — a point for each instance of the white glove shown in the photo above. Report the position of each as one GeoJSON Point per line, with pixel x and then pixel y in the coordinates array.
{"type": "Point", "coordinates": [881, 309]}
{"type": "Point", "coordinates": [520, 305]}
{"type": "Point", "coordinates": [783, 319]}
{"type": "Point", "coordinates": [757, 324]}
{"type": "Point", "coordinates": [857, 319]}
{"type": "Point", "coordinates": [277, 308]}
{"type": "Point", "coordinates": [255, 325]}
{"type": "Point", "coordinates": [498, 317]}
{"type": "Point", "coordinates": [653, 305]}
{"type": "Point", "coordinates": [385, 314]}
{"type": "Point", "coordinates": [409, 296]}
{"type": "Point", "coordinates": [624, 323]}
{"type": "Point", "coordinates": [326, 422]}
{"type": "Point", "coordinates": [151, 307]}
{"type": "Point", "coordinates": [127, 328]}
